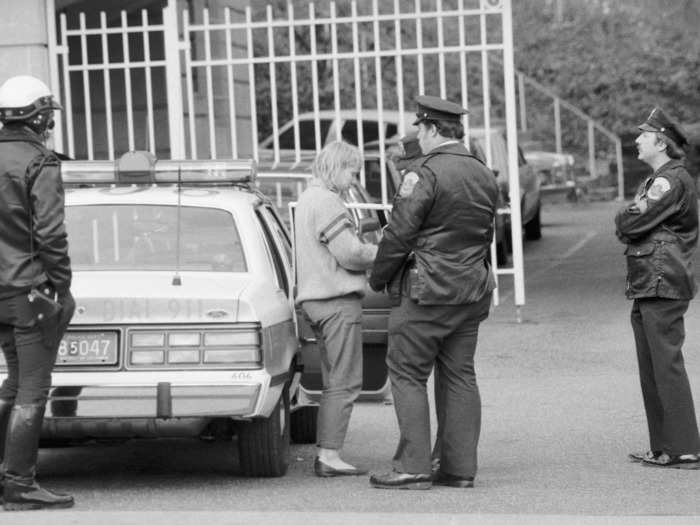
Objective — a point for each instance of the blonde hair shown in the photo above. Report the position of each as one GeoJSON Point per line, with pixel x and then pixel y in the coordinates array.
{"type": "Point", "coordinates": [332, 160]}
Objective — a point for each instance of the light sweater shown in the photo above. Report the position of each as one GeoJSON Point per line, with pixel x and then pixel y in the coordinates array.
{"type": "Point", "coordinates": [330, 258]}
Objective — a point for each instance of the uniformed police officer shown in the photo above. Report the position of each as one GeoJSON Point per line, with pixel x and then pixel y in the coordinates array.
{"type": "Point", "coordinates": [660, 229]}
{"type": "Point", "coordinates": [433, 256]}
{"type": "Point", "coordinates": [33, 254]}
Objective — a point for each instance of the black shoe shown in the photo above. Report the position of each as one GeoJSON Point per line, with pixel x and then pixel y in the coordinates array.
{"type": "Point", "coordinates": [448, 480]}
{"type": "Point", "coordinates": [326, 471]}
{"type": "Point", "coordinates": [401, 480]}
{"type": "Point", "coordinates": [683, 461]}
{"type": "Point", "coordinates": [641, 456]}
{"type": "Point", "coordinates": [434, 467]}
{"type": "Point", "coordinates": [32, 497]}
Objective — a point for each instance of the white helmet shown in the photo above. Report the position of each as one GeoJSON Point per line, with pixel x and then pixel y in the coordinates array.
{"type": "Point", "coordinates": [24, 97]}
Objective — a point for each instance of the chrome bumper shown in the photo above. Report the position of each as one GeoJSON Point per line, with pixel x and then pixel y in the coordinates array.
{"type": "Point", "coordinates": [162, 395]}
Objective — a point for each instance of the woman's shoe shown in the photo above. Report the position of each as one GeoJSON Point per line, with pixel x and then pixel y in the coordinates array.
{"type": "Point", "coordinates": [326, 471]}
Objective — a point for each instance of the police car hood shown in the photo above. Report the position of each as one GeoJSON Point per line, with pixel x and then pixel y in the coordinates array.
{"type": "Point", "coordinates": [150, 297]}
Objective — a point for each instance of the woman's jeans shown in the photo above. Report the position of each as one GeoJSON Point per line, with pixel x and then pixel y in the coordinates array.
{"type": "Point", "coordinates": [337, 324]}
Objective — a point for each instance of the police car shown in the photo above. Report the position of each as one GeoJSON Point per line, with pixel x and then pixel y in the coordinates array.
{"type": "Point", "coordinates": [184, 323]}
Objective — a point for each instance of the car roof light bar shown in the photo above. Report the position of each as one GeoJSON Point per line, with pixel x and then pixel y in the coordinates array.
{"type": "Point", "coordinates": [141, 167]}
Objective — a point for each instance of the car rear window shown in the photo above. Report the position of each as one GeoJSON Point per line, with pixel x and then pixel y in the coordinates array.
{"type": "Point", "coordinates": [145, 237]}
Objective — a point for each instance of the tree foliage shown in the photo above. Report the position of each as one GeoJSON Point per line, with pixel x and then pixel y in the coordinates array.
{"type": "Point", "coordinates": [614, 59]}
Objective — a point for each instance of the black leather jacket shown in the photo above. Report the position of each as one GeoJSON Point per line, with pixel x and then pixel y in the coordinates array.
{"type": "Point", "coordinates": [436, 243]}
{"type": "Point", "coordinates": [30, 178]}
{"type": "Point", "coordinates": [661, 240]}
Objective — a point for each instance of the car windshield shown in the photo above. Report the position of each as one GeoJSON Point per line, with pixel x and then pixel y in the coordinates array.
{"type": "Point", "coordinates": [145, 237]}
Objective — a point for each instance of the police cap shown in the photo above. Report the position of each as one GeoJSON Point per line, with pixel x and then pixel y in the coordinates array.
{"type": "Point", "coordinates": [436, 108]}
{"type": "Point", "coordinates": [659, 122]}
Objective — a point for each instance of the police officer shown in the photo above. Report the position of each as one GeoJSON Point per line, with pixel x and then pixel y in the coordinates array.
{"type": "Point", "coordinates": [33, 254]}
{"type": "Point", "coordinates": [433, 256]}
{"type": "Point", "coordinates": [660, 229]}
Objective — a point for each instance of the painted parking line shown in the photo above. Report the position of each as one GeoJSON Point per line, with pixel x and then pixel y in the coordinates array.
{"type": "Point", "coordinates": [556, 262]}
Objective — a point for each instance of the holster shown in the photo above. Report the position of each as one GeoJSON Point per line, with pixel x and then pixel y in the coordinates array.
{"type": "Point", "coordinates": [43, 302]}
{"type": "Point", "coordinates": [402, 283]}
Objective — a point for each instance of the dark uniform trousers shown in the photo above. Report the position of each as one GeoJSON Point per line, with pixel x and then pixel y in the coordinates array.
{"type": "Point", "coordinates": [659, 333]}
{"type": "Point", "coordinates": [444, 336]}
{"type": "Point", "coordinates": [30, 349]}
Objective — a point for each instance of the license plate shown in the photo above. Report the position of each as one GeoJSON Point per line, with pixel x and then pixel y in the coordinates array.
{"type": "Point", "coordinates": [88, 348]}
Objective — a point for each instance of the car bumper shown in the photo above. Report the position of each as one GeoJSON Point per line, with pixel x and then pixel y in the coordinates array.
{"type": "Point", "coordinates": [163, 395]}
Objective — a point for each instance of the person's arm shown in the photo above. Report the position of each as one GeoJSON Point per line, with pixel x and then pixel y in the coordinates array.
{"type": "Point", "coordinates": [337, 232]}
{"type": "Point", "coordinates": [638, 219]}
{"type": "Point", "coordinates": [50, 238]}
{"type": "Point", "coordinates": [399, 239]}
{"type": "Point", "coordinates": [350, 252]}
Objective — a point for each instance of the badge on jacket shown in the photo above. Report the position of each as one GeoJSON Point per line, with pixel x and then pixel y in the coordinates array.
{"type": "Point", "coordinates": [409, 182]}
{"type": "Point", "coordinates": [658, 188]}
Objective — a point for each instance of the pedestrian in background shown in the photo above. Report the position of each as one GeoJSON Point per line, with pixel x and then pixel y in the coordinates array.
{"type": "Point", "coordinates": [33, 255]}
{"type": "Point", "coordinates": [331, 265]}
{"type": "Point", "coordinates": [434, 255]}
{"type": "Point", "coordinates": [660, 229]}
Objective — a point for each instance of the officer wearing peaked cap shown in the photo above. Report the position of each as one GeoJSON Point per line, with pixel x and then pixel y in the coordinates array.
{"type": "Point", "coordinates": [433, 260]}
{"type": "Point", "coordinates": [660, 229]}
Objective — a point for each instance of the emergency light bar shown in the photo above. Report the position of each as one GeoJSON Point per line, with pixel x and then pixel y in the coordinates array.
{"type": "Point", "coordinates": [141, 167]}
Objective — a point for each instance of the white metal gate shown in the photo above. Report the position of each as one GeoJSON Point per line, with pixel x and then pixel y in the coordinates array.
{"type": "Point", "coordinates": [214, 83]}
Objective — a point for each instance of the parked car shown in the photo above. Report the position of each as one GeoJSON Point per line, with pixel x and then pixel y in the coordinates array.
{"type": "Point", "coordinates": [348, 131]}
{"type": "Point", "coordinates": [185, 324]}
{"type": "Point", "coordinates": [554, 169]}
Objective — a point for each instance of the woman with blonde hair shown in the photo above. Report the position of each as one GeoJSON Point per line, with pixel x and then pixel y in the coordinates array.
{"type": "Point", "coordinates": [331, 263]}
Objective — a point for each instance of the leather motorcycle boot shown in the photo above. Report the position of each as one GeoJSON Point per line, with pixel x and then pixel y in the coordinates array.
{"type": "Point", "coordinates": [5, 409]}
{"type": "Point", "coordinates": [21, 491]}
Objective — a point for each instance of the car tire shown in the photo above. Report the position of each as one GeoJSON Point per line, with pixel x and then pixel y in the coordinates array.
{"type": "Point", "coordinates": [533, 229]}
{"type": "Point", "coordinates": [303, 424]}
{"type": "Point", "coordinates": [263, 444]}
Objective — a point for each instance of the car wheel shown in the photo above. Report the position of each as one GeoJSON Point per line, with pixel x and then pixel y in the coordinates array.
{"type": "Point", "coordinates": [263, 444]}
{"type": "Point", "coordinates": [533, 229]}
{"type": "Point", "coordinates": [303, 424]}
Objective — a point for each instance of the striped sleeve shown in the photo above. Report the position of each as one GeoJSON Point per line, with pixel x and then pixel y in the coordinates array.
{"type": "Point", "coordinates": [331, 229]}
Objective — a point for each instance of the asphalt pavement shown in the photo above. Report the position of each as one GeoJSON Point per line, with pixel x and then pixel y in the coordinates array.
{"type": "Point", "coordinates": [561, 409]}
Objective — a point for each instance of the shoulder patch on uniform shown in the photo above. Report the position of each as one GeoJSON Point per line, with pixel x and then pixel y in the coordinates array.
{"type": "Point", "coordinates": [409, 182]}
{"type": "Point", "coordinates": [660, 186]}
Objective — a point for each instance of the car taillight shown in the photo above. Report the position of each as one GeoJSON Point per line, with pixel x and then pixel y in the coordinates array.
{"type": "Point", "coordinates": [206, 347]}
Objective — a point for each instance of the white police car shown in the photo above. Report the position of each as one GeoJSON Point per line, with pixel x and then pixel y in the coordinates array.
{"type": "Point", "coordinates": [184, 323]}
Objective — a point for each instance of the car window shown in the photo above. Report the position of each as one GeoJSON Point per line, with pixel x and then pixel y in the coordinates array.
{"type": "Point", "coordinates": [373, 180]}
{"type": "Point", "coordinates": [307, 135]}
{"type": "Point", "coordinates": [145, 237]}
{"type": "Point", "coordinates": [370, 131]}
{"type": "Point", "coordinates": [280, 261]}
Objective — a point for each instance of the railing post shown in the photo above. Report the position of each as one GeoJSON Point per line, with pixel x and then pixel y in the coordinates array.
{"type": "Point", "coordinates": [620, 171]}
{"type": "Point", "coordinates": [557, 123]}
{"type": "Point", "coordinates": [591, 149]}
{"type": "Point", "coordinates": [176, 121]}
{"type": "Point", "coordinates": [521, 102]}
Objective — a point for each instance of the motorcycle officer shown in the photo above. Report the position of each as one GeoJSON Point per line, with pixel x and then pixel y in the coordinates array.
{"type": "Point", "coordinates": [33, 256]}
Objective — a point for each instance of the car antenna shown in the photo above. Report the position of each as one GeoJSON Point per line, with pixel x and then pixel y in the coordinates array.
{"type": "Point", "coordinates": [177, 281]}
